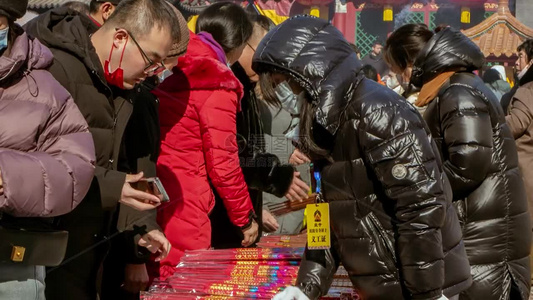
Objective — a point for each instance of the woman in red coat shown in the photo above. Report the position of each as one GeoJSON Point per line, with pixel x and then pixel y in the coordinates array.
{"type": "Point", "coordinates": [198, 107]}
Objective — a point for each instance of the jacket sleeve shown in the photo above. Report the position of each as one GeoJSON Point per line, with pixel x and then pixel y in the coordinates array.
{"type": "Point", "coordinates": [52, 180]}
{"type": "Point", "coordinates": [109, 181]}
{"type": "Point", "coordinates": [219, 138]}
{"type": "Point", "coordinates": [467, 133]}
{"type": "Point", "coordinates": [264, 172]}
{"type": "Point", "coordinates": [397, 147]}
{"type": "Point", "coordinates": [135, 224]}
{"type": "Point", "coordinates": [316, 271]}
{"type": "Point", "coordinates": [520, 114]}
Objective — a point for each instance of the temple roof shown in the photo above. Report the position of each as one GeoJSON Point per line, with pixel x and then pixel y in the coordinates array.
{"type": "Point", "coordinates": [500, 34]}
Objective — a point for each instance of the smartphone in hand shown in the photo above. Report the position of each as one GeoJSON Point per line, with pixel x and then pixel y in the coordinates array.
{"type": "Point", "coordinates": [152, 186]}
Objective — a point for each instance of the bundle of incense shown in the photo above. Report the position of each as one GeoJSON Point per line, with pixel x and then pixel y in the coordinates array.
{"type": "Point", "coordinates": [210, 264]}
{"type": "Point", "coordinates": [282, 208]}
{"type": "Point", "coordinates": [283, 241]}
{"type": "Point", "coordinates": [241, 274]}
{"type": "Point", "coordinates": [185, 296]}
{"type": "Point", "coordinates": [238, 276]}
{"type": "Point", "coordinates": [266, 290]}
{"type": "Point", "coordinates": [243, 254]}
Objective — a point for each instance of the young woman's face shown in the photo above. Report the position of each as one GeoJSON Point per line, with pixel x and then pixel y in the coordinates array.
{"type": "Point", "coordinates": [405, 73]}
{"type": "Point", "coordinates": [3, 22]}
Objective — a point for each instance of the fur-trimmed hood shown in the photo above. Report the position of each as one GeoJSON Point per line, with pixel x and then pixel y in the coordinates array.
{"type": "Point", "coordinates": [199, 69]}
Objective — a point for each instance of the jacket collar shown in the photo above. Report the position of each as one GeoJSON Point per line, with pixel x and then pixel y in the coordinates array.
{"type": "Point", "coordinates": [25, 54]}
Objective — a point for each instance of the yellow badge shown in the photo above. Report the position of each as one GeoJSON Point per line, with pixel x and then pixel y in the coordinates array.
{"type": "Point", "coordinates": [318, 233]}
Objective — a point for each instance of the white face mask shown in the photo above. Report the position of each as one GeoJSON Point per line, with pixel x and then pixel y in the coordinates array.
{"type": "Point", "coordinates": [399, 90]}
{"type": "Point", "coordinates": [392, 82]}
{"type": "Point", "coordinates": [291, 103]}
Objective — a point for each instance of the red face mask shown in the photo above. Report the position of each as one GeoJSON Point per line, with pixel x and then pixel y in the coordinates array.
{"type": "Point", "coordinates": [116, 77]}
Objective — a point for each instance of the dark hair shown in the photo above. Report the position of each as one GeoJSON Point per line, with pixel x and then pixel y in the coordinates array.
{"type": "Point", "coordinates": [370, 72]}
{"type": "Point", "coordinates": [265, 22]}
{"type": "Point", "coordinates": [307, 116]}
{"type": "Point", "coordinates": [527, 47]}
{"type": "Point", "coordinates": [440, 28]}
{"type": "Point", "coordinates": [78, 6]}
{"type": "Point", "coordinates": [141, 16]}
{"type": "Point", "coordinates": [94, 6]}
{"type": "Point", "coordinates": [257, 18]}
{"type": "Point", "coordinates": [228, 23]}
{"type": "Point", "coordinates": [355, 49]}
{"type": "Point", "coordinates": [377, 42]}
{"type": "Point", "coordinates": [491, 75]}
{"type": "Point", "coordinates": [404, 44]}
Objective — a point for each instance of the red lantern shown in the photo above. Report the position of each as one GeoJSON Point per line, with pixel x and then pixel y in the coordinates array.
{"type": "Point", "coordinates": [314, 2]}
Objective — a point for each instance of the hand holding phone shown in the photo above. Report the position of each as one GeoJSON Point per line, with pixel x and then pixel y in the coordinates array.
{"type": "Point", "coordinates": [152, 186]}
{"type": "Point", "coordinates": [135, 193]}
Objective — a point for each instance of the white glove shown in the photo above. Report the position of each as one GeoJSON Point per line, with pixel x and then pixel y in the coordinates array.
{"type": "Point", "coordinates": [291, 293]}
{"type": "Point", "coordinates": [443, 298]}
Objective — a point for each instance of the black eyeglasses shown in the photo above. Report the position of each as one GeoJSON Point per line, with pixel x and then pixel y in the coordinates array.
{"type": "Point", "coordinates": [151, 67]}
{"type": "Point", "coordinates": [250, 46]}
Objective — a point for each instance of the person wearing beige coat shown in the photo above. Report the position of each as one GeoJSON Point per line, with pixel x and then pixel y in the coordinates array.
{"type": "Point", "coordinates": [520, 121]}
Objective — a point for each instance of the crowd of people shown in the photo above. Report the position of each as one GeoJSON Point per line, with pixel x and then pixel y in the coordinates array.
{"type": "Point", "coordinates": [424, 164]}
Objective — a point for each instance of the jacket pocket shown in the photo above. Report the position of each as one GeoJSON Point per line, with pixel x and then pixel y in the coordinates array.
{"type": "Point", "coordinates": [383, 242]}
{"type": "Point", "coordinates": [398, 163]}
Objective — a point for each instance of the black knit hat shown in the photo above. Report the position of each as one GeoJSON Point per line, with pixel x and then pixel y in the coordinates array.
{"type": "Point", "coordinates": [13, 9]}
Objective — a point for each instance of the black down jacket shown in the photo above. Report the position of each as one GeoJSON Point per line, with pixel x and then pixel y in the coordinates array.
{"type": "Point", "coordinates": [480, 160]}
{"type": "Point", "coordinates": [394, 227]}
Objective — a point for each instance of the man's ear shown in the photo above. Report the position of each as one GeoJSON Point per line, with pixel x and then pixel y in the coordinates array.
{"type": "Point", "coordinates": [120, 37]}
{"type": "Point", "coordinates": [107, 10]}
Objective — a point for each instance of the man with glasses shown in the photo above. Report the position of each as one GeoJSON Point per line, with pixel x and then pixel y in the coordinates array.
{"type": "Point", "coordinates": [96, 65]}
{"type": "Point", "coordinates": [100, 11]}
{"type": "Point", "coordinates": [125, 276]}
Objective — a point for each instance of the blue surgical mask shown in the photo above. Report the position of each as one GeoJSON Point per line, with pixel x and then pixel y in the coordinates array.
{"type": "Point", "coordinates": [164, 75]}
{"type": "Point", "coordinates": [291, 103]}
{"type": "Point", "coordinates": [3, 38]}
{"type": "Point", "coordinates": [289, 100]}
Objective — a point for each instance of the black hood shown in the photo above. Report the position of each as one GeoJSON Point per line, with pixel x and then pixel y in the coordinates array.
{"type": "Point", "coordinates": [316, 55]}
{"type": "Point", "coordinates": [67, 30]}
{"type": "Point", "coordinates": [447, 50]}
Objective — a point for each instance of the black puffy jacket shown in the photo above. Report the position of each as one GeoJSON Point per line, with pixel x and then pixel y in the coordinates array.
{"type": "Point", "coordinates": [480, 160]}
{"type": "Point", "coordinates": [394, 227]}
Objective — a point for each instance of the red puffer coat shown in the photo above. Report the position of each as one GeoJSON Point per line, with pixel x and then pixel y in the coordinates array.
{"type": "Point", "coordinates": [198, 107]}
